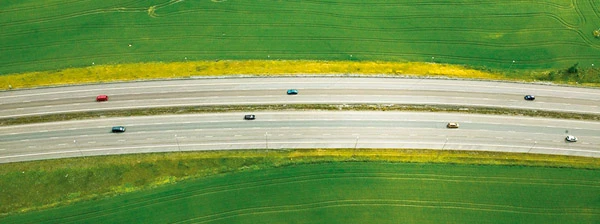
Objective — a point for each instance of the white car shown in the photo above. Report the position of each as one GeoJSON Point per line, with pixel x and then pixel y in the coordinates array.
{"type": "Point", "coordinates": [452, 125]}
{"type": "Point", "coordinates": [571, 138]}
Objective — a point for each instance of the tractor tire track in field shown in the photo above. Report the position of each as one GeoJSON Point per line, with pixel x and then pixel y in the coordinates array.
{"type": "Point", "coordinates": [413, 17]}
{"type": "Point", "coordinates": [556, 17]}
{"type": "Point", "coordinates": [437, 3]}
{"type": "Point", "coordinates": [142, 26]}
{"type": "Point", "coordinates": [438, 16]}
{"type": "Point", "coordinates": [360, 6]}
{"type": "Point", "coordinates": [51, 19]}
{"type": "Point", "coordinates": [577, 9]}
{"type": "Point", "coordinates": [585, 37]}
{"type": "Point", "coordinates": [120, 7]}
{"type": "Point", "coordinates": [36, 7]}
{"type": "Point", "coordinates": [45, 6]}
{"type": "Point", "coordinates": [595, 8]}
{"type": "Point", "coordinates": [386, 203]}
{"type": "Point", "coordinates": [353, 11]}
{"type": "Point", "coordinates": [297, 54]}
{"type": "Point", "coordinates": [322, 176]}
{"type": "Point", "coordinates": [92, 42]}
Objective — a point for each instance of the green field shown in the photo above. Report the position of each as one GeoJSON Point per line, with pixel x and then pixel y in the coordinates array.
{"type": "Point", "coordinates": [544, 35]}
{"type": "Point", "coordinates": [57, 34]}
{"type": "Point", "coordinates": [354, 193]}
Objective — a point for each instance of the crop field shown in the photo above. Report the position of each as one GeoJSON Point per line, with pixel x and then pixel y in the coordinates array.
{"type": "Point", "coordinates": [354, 193]}
{"type": "Point", "coordinates": [62, 42]}
{"type": "Point", "coordinates": [511, 34]}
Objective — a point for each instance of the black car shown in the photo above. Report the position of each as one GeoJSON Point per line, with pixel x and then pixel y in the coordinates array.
{"type": "Point", "coordinates": [249, 117]}
{"type": "Point", "coordinates": [118, 129]}
{"type": "Point", "coordinates": [529, 97]}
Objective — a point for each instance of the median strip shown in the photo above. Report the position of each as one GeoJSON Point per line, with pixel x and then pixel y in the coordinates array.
{"type": "Point", "coordinates": [283, 107]}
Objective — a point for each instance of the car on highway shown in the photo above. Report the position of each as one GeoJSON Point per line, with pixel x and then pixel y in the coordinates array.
{"type": "Point", "coordinates": [118, 129]}
{"type": "Point", "coordinates": [101, 98]}
{"type": "Point", "coordinates": [292, 92]}
{"type": "Point", "coordinates": [529, 97]}
{"type": "Point", "coordinates": [249, 117]}
{"type": "Point", "coordinates": [452, 125]}
{"type": "Point", "coordinates": [571, 138]}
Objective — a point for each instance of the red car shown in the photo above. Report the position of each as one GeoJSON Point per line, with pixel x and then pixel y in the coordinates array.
{"type": "Point", "coordinates": [102, 98]}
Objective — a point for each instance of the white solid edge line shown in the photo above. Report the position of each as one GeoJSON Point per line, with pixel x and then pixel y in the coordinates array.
{"type": "Point", "coordinates": [278, 142]}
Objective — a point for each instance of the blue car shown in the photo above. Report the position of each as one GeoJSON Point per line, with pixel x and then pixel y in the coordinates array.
{"type": "Point", "coordinates": [292, 91]}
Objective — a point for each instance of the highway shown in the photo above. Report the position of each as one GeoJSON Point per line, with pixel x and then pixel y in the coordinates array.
{"type": "Point", "coordinates": [321, 90]}
{"type": "Point", "coordinates": [278, 130]}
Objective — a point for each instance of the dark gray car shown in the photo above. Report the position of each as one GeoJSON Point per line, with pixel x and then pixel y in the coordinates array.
{"type": "Point", "coordinates": [118, 129]}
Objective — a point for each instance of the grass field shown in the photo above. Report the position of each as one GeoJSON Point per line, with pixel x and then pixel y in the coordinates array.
{"type": "Point", "coordinates": [28, 186]}
{"type": "Point", "coordinates": [59, 34]}
{"type": "Point", "coordinates": [354, 193]}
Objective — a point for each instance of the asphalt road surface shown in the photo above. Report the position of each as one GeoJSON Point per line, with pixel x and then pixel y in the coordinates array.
{"type": "Point", "coordinates": [298, 129]}
{"type": "Point", "coordinates": [329, 90]}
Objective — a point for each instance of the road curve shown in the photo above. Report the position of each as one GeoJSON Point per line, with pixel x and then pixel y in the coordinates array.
{"type": "Point", "coordinates": [298, 129]}
{"type": "Point", "coordinates": [326, 90]}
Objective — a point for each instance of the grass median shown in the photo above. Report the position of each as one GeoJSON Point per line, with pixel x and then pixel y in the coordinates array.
{"type": "Point", "coordinates": [284, 107]}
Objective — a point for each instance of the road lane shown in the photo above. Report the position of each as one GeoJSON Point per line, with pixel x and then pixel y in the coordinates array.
{"type": "Point", "coordinates": [243, 91]}
{"type": "Point", "coordinates": [308, 99]}
{"type": "Point", "coordinates": [297, 129]}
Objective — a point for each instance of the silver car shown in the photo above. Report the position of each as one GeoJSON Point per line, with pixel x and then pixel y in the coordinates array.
{"type": "Point", "coordinates": [571, 138]}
